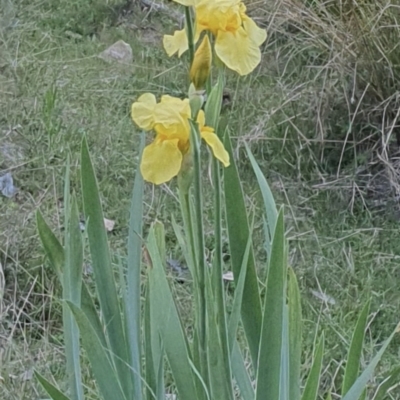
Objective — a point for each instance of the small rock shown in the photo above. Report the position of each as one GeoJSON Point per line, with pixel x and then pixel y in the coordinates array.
{"type": "Point", "coordinates": [119, 51]}
{"type": "Point", "coordinates": [109, 224]}
{"type": "Point", "coordinates": [7, 185]}
{"type": "Point", "coordinates": [228, 276]}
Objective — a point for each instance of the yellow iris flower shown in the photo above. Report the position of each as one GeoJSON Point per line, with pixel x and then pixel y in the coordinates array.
{"type": "Point", "coordinates": [162, 159]}
{"type": "Point", "coordinates": [237, 37]}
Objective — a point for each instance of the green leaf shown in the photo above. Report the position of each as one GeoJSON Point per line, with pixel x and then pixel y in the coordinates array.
{"type": "Point", "coordinates": [72, 284]}
{"type": "Point", "coordinates": [166, 321]}
{"type": "Point", "coordinates": [102, 267]}
{"type": "Point", "coordinates": [183, 244]}
{"type": "Point", "coordinates": [52, 391]}
{"type": "Point", "coordinates": [238, 232]}
{"type": "Point", "coordinates": [88, 307]}
{"type": "Point", "coordinates": [355, 351]}
{"type": "Point", "coordinates": [390, 380]}
{"type": "Point", "coordinates": [200, 262]}
{"type": "Point", "coordinates": [269, 202]}
{"type": "Point", "coordinates": [214, 102]}
{"type": "Point", "coordinates": [132, 302]}
{"type": "Point", "coordinates": [311, 389]}
{"type": "Point", "coordinates": [329, 396]}
{"type": "Point", "coordinates": [220, 377]}
{"type": "Point", "coordinates": [217, 271]}
{"type": "Point", "coordinates": [240, 373]}
{"type": "Point", "coordinates": [237, 300]}
{"type": "Point", "coordinates": [284, 390]}
{"type": "Point", "coordinates": [295, 328]}
{"type": "Point", "coordinates": [103, 370]}
{"type": "Point", "coordinates": [270, 357]}
{"type": "Point", "coordinates": [151, 351]}
{"type": "Point", "coordinates": [359, 385]}
{"type": "Point", "coordinates": [51, 245]}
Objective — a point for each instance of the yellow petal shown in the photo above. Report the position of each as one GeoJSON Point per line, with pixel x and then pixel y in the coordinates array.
{"type": "Point", "coordinates": [201, 119]}
{"type": "Point", "coordinates": [182, 106]}
{"type": "Point", "coordinates": [219, 15]}
{"type": "Point", "coordinates": [246, 56]}
{"type": "Point", "coordinates": [216, 145]}
{"type": "Point", "coordinates": [171, 118]}
{"type": "Point", "coordinates": [161, 161]}
{"type": "Point", "coordinates": [175, 43]}
{"type": "Point", "coordinates": [200, 69]}
{"type": "Point", "coordinates": [256, 34]}
{"type": "Point", "coordinates": [142, 111]}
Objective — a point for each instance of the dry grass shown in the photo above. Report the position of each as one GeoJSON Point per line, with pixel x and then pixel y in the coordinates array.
{"type": "Point", "coordinates": [320, 113]}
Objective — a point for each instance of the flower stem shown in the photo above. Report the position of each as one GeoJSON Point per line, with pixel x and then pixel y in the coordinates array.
{"type": "Point", "coordinates": [218, 284]}
{"type": "Point", "coordinates": [190, 34]}
{"type": "Point", "coordinates": [200, 246]}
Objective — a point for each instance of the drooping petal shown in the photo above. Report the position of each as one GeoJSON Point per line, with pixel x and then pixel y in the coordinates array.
{"type": "Point", "coordinates": [216, 145]}
{"type": "Point", "coordinates": [161, 161]}
{"type": "Point", "coordinates": [207, 133]}
{"type": "Point", "coordinates": [256, 34]}
{"type": "Point", "coordinates": [142, 111]}
{"type": "Point", "coordinates": [175, 43]}
{"type": "Point", "coordinates": [246, 55]}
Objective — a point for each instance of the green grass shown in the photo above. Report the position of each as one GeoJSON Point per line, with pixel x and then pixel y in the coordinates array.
{"type": "Point", "coordinates": [54, 89]}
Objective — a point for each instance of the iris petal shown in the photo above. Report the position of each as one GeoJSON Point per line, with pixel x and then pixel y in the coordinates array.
{"type": "Point", "coordinates": [256, 34]}
{"type": "Point", "coordinates": [172, 118]}
{"type": "Point", "coordinates": [175, 43]}
{"type": "Point", "coordinates": [161, 161]}
{"type": "Point", "coordinates": [246, 56]}
{"type": "Point", "coordinates": [216, 145]}
{"type": "Point", "coordinates": [142, 111]}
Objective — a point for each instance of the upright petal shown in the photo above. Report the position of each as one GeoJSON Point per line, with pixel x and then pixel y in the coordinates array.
{"type": "Point", "coordinates": [218, 15]}
{"type": "Point", "coordinates": [216, 145]}
{"type": "Point", "coordinates": [246, 55]}
{"type": "Point", "coordinates": [175, 43]}
{"type": "Point", "coordinates": [142, 111]}
{"type": "Point", "coordinates": [171, 118]}
{"type": "Point", "coordinates": [181, 106]}
{"type": "Point", "coordinates": [161, 161]}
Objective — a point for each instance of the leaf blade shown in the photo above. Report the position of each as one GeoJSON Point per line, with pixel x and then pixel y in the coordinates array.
{"type": "Point", "coordinates": [133, 316]}
{"type": "Point", "coordinates": [103, 370]}
{"type": "Point", "coordinates": [295, 328]}
{"type": "Point", "coordinates": [355, 351]}
{"type": "Point", "coordinates": [104, 278]}
{"type": "Point", "coordinates": [72, 287]}
{"type": "Point", "coordinates": [270, 356]}
{"type": "Point", "coordinates": [311, 389]}
{"type": "Point", "coordinates": [165, 319]}
{"type": "Point", "coordinates": [238, 233]}
{"type": "Point", "coordinates": [51, 390]}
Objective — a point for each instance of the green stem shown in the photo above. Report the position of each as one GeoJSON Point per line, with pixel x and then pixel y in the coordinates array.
{"type": "Point", "coordinates": [218, 283]}
{"type": "Point", "coordinates": [200, 260]}
{"type": "Point", "coordinates": [190, 34]}
{"type": "Point", "coordinates": [188, 224]}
